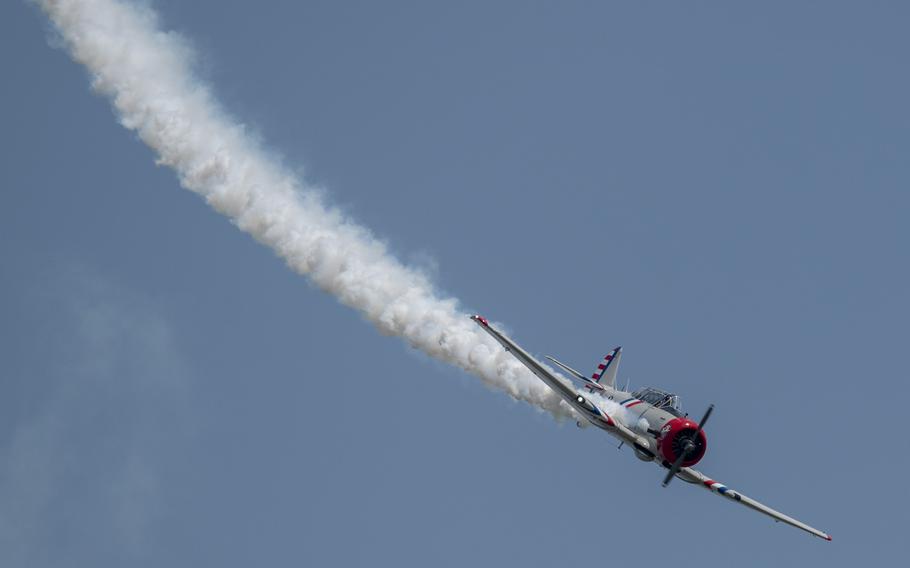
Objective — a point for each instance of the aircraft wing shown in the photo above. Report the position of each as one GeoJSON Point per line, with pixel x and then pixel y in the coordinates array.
{"type": "Point", "coordinates": [565, 390]}
{"type": "Point", "coordinates": [694, 476]}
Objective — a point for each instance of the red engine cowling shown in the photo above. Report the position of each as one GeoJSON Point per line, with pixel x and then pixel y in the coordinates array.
{"type": "Point", "coordinates": [673, 438]}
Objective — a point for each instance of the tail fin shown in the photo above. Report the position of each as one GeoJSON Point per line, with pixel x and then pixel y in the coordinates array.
{"type": "Point", "coordinates": [605, 373]}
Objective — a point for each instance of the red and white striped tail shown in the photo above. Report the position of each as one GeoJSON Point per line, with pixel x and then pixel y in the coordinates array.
{"type": "Point", "coordinates": [605, 373]}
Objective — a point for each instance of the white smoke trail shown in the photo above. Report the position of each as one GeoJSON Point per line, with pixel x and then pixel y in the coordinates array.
{"type": "Point", "coordinates": [147, 74]}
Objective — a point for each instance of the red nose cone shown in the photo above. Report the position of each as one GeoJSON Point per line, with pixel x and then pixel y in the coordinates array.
{"type": "Point", "coordinates": [482, 320]}
{"type": "Point", "coordinates": [676, 435]}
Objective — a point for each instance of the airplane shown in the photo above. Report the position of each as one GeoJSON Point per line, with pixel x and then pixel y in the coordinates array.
{"type": "Point", "coordinates": [654, 426]}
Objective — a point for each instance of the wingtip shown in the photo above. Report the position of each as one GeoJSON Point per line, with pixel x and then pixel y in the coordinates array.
{"type": "Point", "coordinates": [481, 320]}
{"type": "Point", "coordinates": [828, 537]}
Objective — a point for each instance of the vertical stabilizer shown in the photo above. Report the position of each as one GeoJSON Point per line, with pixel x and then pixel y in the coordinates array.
{"type": "Point", "coordinates": [605, 373]}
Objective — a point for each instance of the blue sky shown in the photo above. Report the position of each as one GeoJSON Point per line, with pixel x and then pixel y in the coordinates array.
{"type": "Point", "coordinates": [720, 188]}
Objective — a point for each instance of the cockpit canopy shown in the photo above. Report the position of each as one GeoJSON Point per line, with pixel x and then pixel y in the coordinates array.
{"type": "Point", "coordinates": [663, 400]}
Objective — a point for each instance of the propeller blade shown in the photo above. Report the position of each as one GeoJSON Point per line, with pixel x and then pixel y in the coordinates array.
{"type": "Point", "coordinates": [704, 418]}
{"type": "Point", "coordinates": [674, 469]}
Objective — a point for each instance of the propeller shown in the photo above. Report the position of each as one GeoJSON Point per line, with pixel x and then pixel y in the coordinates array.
{"type": "Point", "coordinates": [688, 448]}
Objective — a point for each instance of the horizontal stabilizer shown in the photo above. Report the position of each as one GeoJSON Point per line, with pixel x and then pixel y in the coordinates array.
{"type": "Point", "coordinates": [588, 382]}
